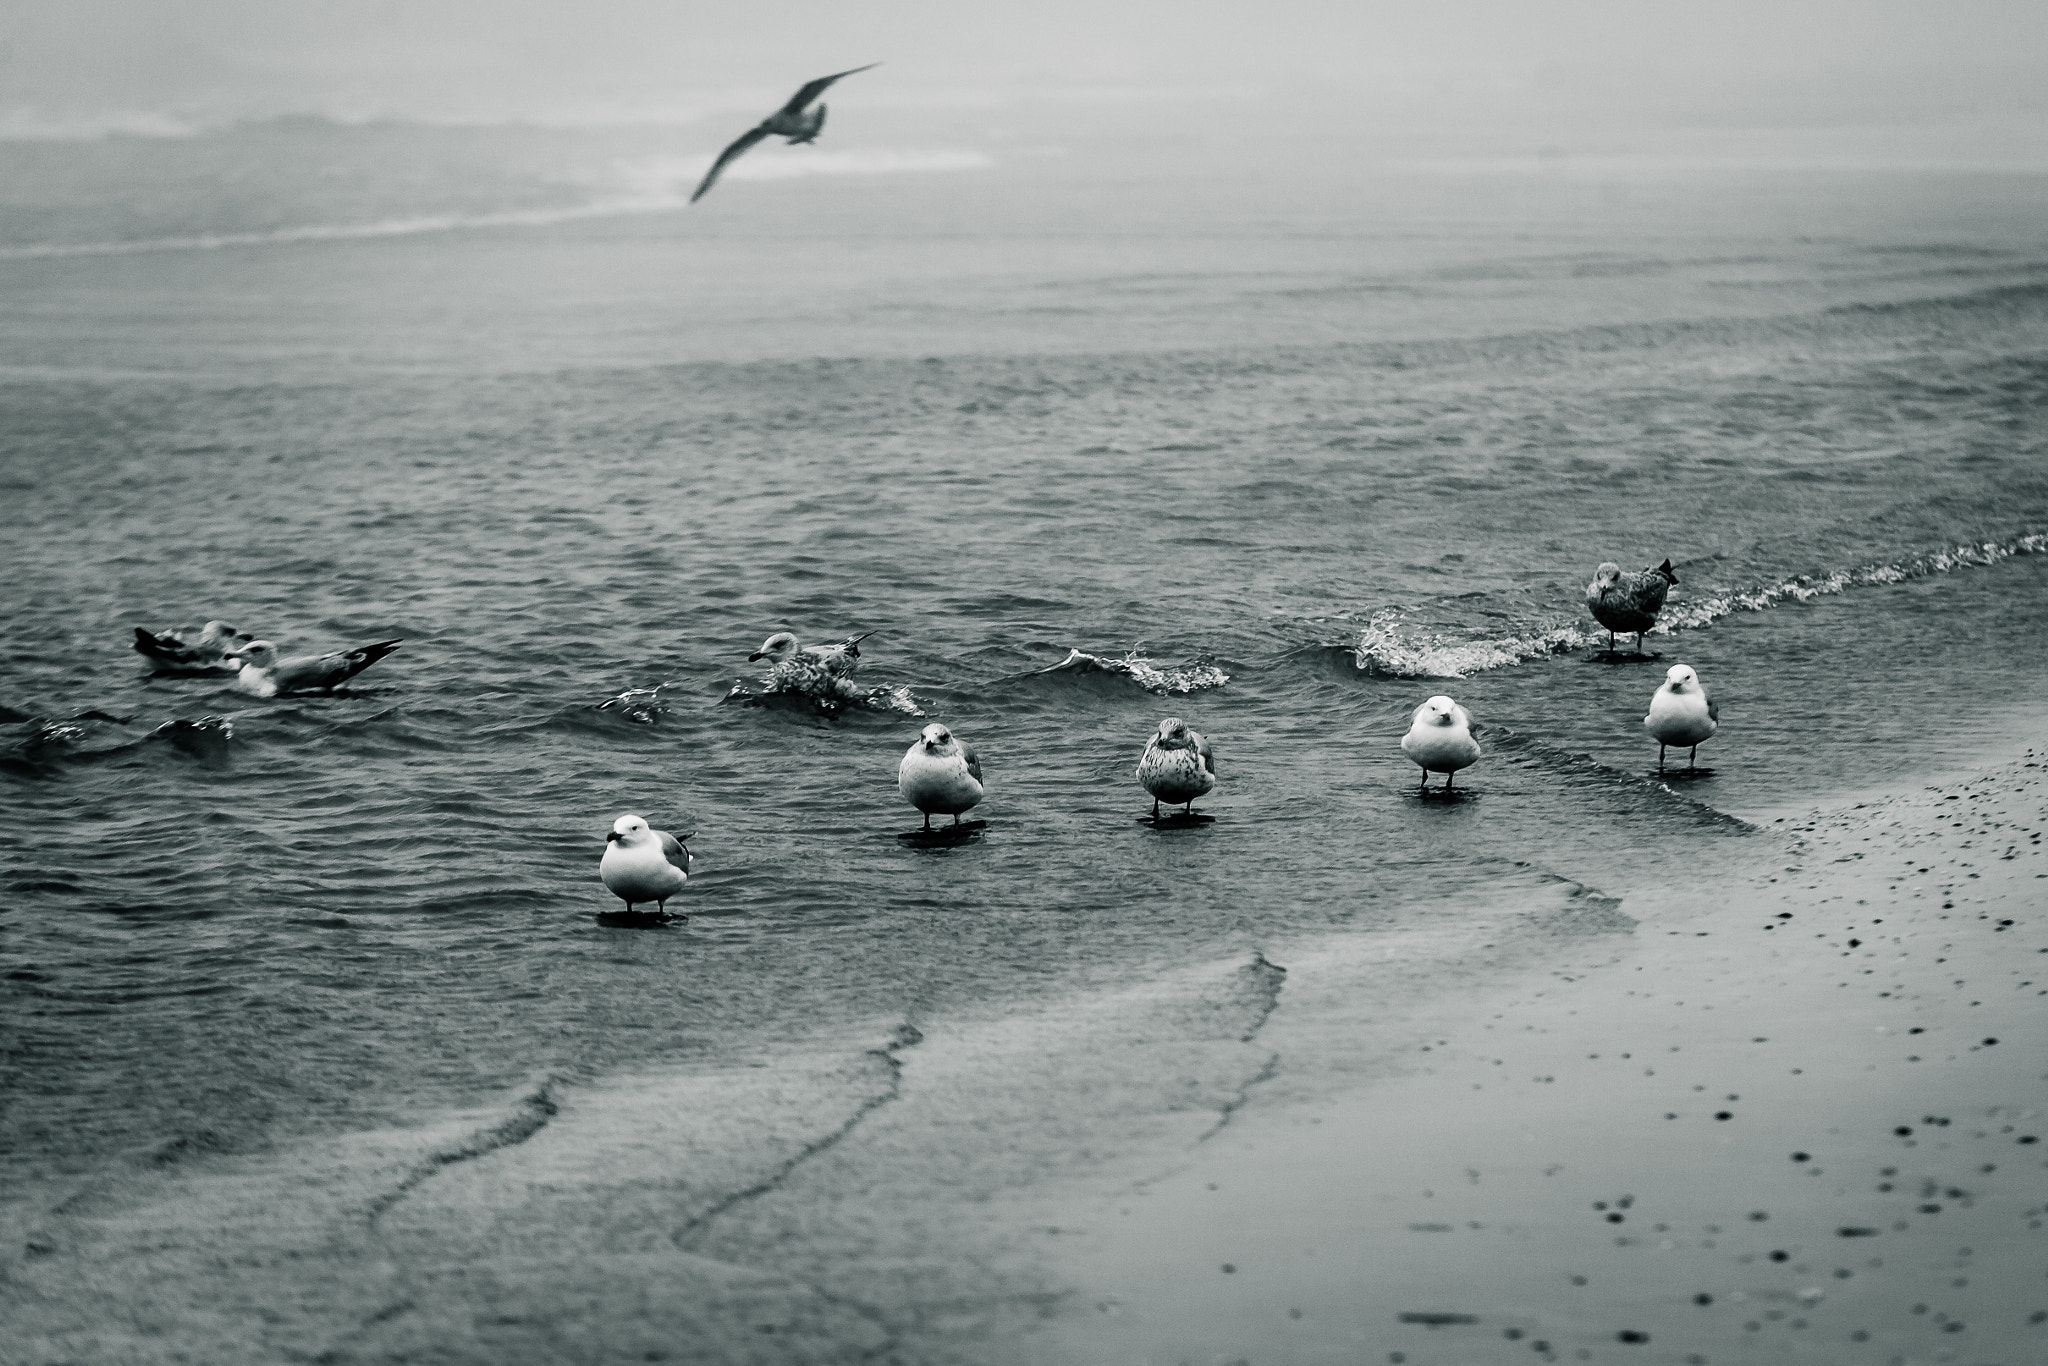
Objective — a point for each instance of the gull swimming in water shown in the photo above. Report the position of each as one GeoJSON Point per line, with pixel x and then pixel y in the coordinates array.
{"type": "Point", "coordinates": [789, 122]}
{"type": "Point", "coordinates": [1440, 739]}
{"type": "Point", "coordinates": [1681, 713]}
{"type": "Point", "coordinates": [1177, 766]}
{"type": "Point", "coordinates": [264, 674]}
{"type": "Point", "coordinates": [1628, 602]}
{"type": "Point", "coordinates": [940, 773]}
{"type": "Point", "coordinates": [642, 864]}
{"type": "Point", "coordinates": [782, 648]}
{"type": "Point", "coordinates": [171, 652]}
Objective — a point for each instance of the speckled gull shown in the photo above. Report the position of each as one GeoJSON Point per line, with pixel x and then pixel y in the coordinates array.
{"type": "Point", "coordinates": [782, 648]}
{"type": "Point", "coordinates": [1439, 739]}
{"type": "Point", "coordinates": [790, 122]}
{"type": "Point", "coordinates": [1177, 766]}
{"type": "Point", "coordinates": [643, 864]}
{"type": "Point", "coordinates": [1681, 713]}
{"type": "Point", "coordinates": [1628, 602]}
{"type": "Point", "coordinates": [207, 652]}
{"type": "Point", "coordinates": [940, 774]}
{"type": "Point", "coordinates": [264, 674]}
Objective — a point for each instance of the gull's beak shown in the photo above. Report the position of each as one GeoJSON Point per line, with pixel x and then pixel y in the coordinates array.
{"type": "Point", "coordinates": [610, 836]}
{"type": "Point", "coordinates": [754, 656]}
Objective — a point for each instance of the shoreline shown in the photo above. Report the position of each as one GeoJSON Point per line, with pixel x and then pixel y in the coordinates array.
{"type": "Point", "coordinates": [1404, 1143]}
{"type": "Point", "coordinates": [1777, 1126]}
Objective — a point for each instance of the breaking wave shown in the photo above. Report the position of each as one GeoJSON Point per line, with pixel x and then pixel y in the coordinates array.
{"type": "Point", "coordinates": [1153, 678]}
{"type": "Point", "coordinates": [1386, 650]}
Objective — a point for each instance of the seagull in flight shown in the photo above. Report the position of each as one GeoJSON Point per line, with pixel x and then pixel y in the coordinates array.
{"type": "Point", "coordinates": [789, 122]}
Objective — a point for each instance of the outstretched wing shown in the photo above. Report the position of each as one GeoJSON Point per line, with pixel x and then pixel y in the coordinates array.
{"type": "Point", "coordinates": [973, 760]}
{"type": "Point", "coordinates": [312, 672]}
{"type": "Point", "coordinates": [673, 850]}
{"type": "Point", "coordinates": [165, 646]}
{"type": "Point", "coordinates": [818, 87]}
{"type": "Point", "coordinates": [731, 154]}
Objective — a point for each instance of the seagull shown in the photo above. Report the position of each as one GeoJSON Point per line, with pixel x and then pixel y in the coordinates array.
{"type": "Point", "coordinates": [1681, 713]}
{"type": "Point", "coordinates": [940, 774]}
{"type": "Point", "coordinates": [1628, 602]}
{"type": "Point", "coordinates": [264, 674]}
{"type": "Point", "coordinates": [207, 653]}
{"type": "Point", "coordinates": [640, 864]}
{"type": "Point", "coordinates": [789, 122]}
{"type": "Point", "coordinates": [1440, 739]}
{"type": "Point", "coordinates": [1177, 766]}
{"type": "Point", "coordinates": [782, 648]}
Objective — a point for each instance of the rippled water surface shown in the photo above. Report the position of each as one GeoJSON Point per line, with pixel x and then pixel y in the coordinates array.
{"type": "Point", "coordinates": [1285, 485]}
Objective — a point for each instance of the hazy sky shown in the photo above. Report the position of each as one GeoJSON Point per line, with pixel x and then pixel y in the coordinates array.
{"type": "Point", "coordinates": [1972, 65]}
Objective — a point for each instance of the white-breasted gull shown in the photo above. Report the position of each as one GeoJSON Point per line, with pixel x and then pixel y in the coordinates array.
{"type": "Point", "coordinates": [1439, 739]}
{"type": "Point", "coordinates": [1681, 713]}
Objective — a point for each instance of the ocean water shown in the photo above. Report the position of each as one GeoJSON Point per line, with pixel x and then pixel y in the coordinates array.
{"type": "Point", "coordinates": [1082, 447]}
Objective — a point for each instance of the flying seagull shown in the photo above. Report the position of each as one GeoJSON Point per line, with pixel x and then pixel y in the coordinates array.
{"type": "Point", "coordinates": [790, 122]}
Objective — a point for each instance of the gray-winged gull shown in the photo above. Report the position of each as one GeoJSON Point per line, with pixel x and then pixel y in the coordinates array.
{"type": "Point", "coordinates": [173, 652]}
{"type": "Point", "coordinates": [1681, 713]}
{"type": "Point", "coordinates": [643, 864]}
{"type": "Point", "coordinates": [941, 774]}
{"type": "Point", "coordinates": [1439, 739]}
{"type": "Point", "coordinates": [264, 674]}
{"type": "Point", "coordinates": [789, 122]}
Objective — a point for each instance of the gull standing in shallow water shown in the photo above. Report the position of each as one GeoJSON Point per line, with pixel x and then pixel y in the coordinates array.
{"type": "Point", "coordinates": [1177, 766]}
{"type": "Point", "coordinates": [264, 674]}
{"type": "Point", "coordinates": [941, 774]}
{"type": "Point", "coordinates": [642, 864]}
{"type": "Point", "coordinates": [1681, 713]}
{"type": "Point", "coordinates": [1628, 602]}
{"type": "Point", "coordinates": [789, 122]}
{"type": "Point", "coordinates": [1440, 739]}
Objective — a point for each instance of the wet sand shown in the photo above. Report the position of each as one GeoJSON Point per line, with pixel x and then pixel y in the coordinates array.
{"type": "Point", "coordinates": [1797, 1117]}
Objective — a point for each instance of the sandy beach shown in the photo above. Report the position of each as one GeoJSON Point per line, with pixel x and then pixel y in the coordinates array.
{"type": "Point", "coordinates": [1784, 1101]}
{"type": "Point", "coordinates": [1796, 1115]}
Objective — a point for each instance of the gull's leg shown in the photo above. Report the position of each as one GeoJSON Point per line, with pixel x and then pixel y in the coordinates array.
{"type": "Point", "coordinates": [1155, 808]}
{"type": "Point", "coordinates": [1450, 776]}
{"type": "Point", "coordinates": [956, 818]}
{"type": "Point", "coordinates": [1610, 642]}
{"type": "Point", "coordinates": [1639, 642]}
{"type": "Point", "coordinates": [1660, 756]}
{"type": "Point", "coordinates": [1425, 780]}
{"type": "Point", "coordinates": [1189, 809]}
{"type": "Point", "coordinates": [927, 820]}
{"type": "Point", "coordinates": [1692, 760]}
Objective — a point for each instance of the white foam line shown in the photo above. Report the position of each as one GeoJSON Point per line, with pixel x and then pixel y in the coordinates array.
{"type": "Point", "coordinates": [344, 232]}
{"type": "Point", "coordinates": [1382, 646]}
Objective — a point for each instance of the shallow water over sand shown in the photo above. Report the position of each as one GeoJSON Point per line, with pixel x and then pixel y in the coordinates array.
{"type": "Point", "coordinates": [1302, 500]}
